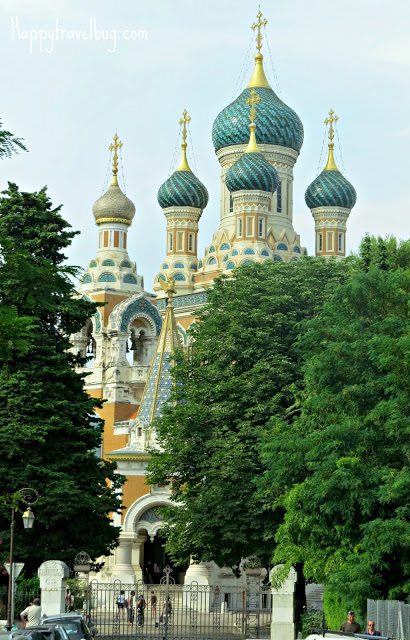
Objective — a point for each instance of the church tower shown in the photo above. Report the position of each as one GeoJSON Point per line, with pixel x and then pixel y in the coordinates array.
{"type": "Point", "coordinates": [330, 197]}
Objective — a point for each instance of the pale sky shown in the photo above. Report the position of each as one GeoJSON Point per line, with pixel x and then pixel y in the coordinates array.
{"type": "Point", "coordinates": [68, 99]}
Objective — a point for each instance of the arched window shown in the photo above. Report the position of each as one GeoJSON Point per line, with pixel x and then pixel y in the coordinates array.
{"type": "Point", "coordinates": [129, 279]}
{"type": "Point", "coordinates": [224, 246]}
{"type": "Point", "coordinates": [179, 276]}
{"type": "Point", "coordinates": [296, 249]}
{"type": "Point", "coordinates": [211, 249]}
{"type": "Point", "coordinates": [107, 277]}
{"type": "Point", "coordinates": [178, 265]}
{"type": "Point", "coordinates": [249, 252]}
{"type": "Point", "coordinates": [264, 252]}
{"type": "Point", "coordinates": [86, 279]}
{"type": "Point", "coordinates": [165, 266]}
{"type": "Point", "coordinates": [282, 246]}
{"type": "Point", "coordinates": [277, 258]}
{"type": "Point", "coordinates": [125, 263]}
{"type": "Point", "coordinates": [212, 261]}
{"type": "Point", "coordinates": [234, 253]}
{"type": "Point", "coordinates": [230, 265]}
{"type": "Point", "coordinates": [93, 263]}
{"type": "Point", "coordinates": [108, 263]}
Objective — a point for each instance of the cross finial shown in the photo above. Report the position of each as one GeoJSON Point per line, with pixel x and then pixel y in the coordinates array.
{"type": "Point", "coordinates": [258, 26]}
{"type": "Point", "coordinates": [332, 119]}
{"type": "Point", "coordinates": [254, 99]}
{"type": "Point", "coordinates": [114, 147]}
{"type": "Point", "coordinates": [184, 121]}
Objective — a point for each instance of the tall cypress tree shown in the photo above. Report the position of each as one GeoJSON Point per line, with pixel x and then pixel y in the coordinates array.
{"type": "Point", "coordinates": [48, 428]}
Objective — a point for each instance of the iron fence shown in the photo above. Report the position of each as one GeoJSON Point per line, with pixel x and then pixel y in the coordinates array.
{"type": "Point", "coordinates": [22, 599]}
{"type": "Point", "coordinates": [195, 612]}
{"type": "Point", "coordinates": [391, 617]}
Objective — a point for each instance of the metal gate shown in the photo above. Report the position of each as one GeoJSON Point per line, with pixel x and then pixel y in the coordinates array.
{"type": "Point", "coordinates": [178, 612]}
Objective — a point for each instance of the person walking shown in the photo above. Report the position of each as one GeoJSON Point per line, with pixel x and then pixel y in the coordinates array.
{"type": "Point", "coordinates": [130, 609]}
{"type": "Point", "coordinates": [31, 616]}
{"type": "Point", "coordinates": [371, 629]}
{"type": "Point", "coordinates": [350, 625]}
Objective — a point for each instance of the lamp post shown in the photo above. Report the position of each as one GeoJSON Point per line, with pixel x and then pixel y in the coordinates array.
{"type": "Point", "coordinates": [29, 496]}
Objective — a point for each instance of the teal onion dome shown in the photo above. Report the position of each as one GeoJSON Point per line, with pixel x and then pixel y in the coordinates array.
{"type": "Point", "coordinates": [330, 189]}
{"type": "Point", "coordinates": [252, 172]}
{"type": "Point", "coordinates": [183, 189]}
{"type": "Point", "coordinates": [278, 124]}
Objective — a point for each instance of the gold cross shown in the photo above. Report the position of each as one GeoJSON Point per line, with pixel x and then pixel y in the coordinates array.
{"type": "Point", "coordinates": [330, 121]}
{"type": "Point", "coordinates": [115, 147]}
{"type": "Point", "coordinates": [258, 26]}
{"type": "Point", "coordinates": [254, 99]}
{"type": "Point", "coordinates": [184, 121]}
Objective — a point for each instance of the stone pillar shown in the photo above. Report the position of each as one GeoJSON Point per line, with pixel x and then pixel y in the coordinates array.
{"type": "Point", "coordinates": [122, 569]}
{"type": "Point", "coordinates": [53, 576]}
{"type": "Point", "coordinates": [283, 607]}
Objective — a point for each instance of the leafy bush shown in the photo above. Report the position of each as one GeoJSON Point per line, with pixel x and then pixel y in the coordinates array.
{"type": "Point", "coordinates": [311, 619]}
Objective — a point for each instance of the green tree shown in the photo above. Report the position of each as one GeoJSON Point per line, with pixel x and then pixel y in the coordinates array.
{"type": "Point", "coordinates": [9, 143]}
{"type": "Point", "coordinates": [48, 428]}
{"type": "Point", "coordinates": [340, 470]}
{"type": "Point", "coordinates": [241, 370]}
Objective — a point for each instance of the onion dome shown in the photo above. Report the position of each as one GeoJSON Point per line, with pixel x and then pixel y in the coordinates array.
{"type": "Point", "coordinates": [330, 188]}
{"type": "Point", "coordinates": [183, 189]}
{"type": "Point", "coordinates": [114, 205]}
{"type": "Point", "coordinates": [252, 172]}
{"type": "Point", "coordinates": [278, 124]}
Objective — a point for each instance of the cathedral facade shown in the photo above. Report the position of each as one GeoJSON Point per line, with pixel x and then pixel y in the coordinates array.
{"type": "Point", "coordinates": [130, 340]}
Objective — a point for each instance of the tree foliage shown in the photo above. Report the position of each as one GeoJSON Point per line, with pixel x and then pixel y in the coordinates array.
{"type": "Point", "coordinates": [340, 469]}
{"type": "Point", "coordinates": [241, 370]}
{"type": "Point", "coordinates": [48, 428]}
{"type": "Point", "coordinates": [9, 144]}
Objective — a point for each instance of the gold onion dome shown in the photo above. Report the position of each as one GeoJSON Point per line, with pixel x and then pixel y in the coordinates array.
{"type": "Point", "coordinates": [183, 189]}
{"type": "Point", "coordinates": [278, 124]}
{"type": "Point", "coordinates": [330, 188]}
{"type": "Point", "coordinates": [114, 206]}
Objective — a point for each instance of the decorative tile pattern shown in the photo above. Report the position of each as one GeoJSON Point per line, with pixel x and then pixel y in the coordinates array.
{"type": "Point", "coordinates": [129, 279]}
{"type": "Point", "coordinates": [107, 277]}
{"type": "Point", "coordinates": [330, 189]}
{"type": "Point", "coordinates": [144, 307]}
{"type": "Point", "coordinates": [179, 302]}
{"type": "Point", "coordinates": [183, 189]}
{"type": "Point", "coordinates": [276, 122]}
{"type": "Point", "coordinates": [151, 515]}
{"type": "Point", "coordinates": [126, 263]}
{"type": "Point", "coordinates": [86, 279]}
{"type": "Point", "coordinates": [252, 172]}
{"type": "Point", "coordinates": [108, 263]}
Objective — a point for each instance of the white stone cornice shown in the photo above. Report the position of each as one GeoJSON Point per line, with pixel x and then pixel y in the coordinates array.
{"type": "Point", "coordinates": [183, 212]}
{"type": "Point", "coordinates": [273, 153]}
{"type": "Point", "coordinates": [330, 213]}
{"type": "Point", "coordinates": [182, 224]}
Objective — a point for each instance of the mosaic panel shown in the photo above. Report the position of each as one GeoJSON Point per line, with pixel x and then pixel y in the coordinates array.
{"type": "Point", "coordinates": [252, 171]}
{"type": "Point", "coordinates": [330, 189]}
{"type": "Point", "coordinates": [141, 306]}
{"type": "Point", "coordinates": [183, 189]}
{"type": "Point", "coordinates": [179, 302]}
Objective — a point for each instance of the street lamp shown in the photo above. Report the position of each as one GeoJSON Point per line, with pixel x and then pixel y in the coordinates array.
{"type": "Point", "coordinates": [29, 496]}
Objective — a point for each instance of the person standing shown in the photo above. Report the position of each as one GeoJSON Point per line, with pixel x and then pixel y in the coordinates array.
{"type": "Point", "coordinates": [32, 613]}
{"type": "Point", "coordinates": [130, 608]}
{"type": "Point", "coordinates": [153, 602]}
{"type": "Point", "coordinates": [371, 629]}
{"type": "Point", "coordinates": [350, 626]}
{"type": "Point", "coordinates": [121, 603]}
{"type": "Point", "coordinates": [141, 604]}
{"type": "Point", "coordinates": [67, 600]}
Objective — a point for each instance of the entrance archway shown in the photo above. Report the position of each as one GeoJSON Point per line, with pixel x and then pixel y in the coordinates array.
{"type": "Point", "coordinates": [156, 559]}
